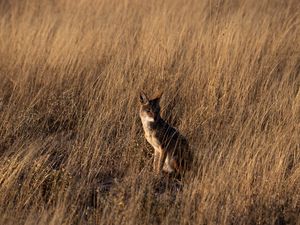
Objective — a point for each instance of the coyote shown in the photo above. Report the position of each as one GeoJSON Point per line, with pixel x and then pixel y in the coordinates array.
{"type": "Point", "coordinates": [171, 149]}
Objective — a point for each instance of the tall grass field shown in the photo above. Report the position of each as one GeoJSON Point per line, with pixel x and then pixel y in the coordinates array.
{"type": "Point", "coordinates": [72, 146]}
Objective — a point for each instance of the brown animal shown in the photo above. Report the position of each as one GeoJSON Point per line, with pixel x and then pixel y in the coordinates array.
{"type": "Point", "coordinates": [171, 149]}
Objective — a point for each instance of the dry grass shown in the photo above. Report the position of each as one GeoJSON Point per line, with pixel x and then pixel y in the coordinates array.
{"type": "Point", "coordinates": [71, 143]}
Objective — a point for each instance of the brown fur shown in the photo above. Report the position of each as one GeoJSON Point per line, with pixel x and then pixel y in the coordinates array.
{"type": "Point", "coordinates": [171, 149]}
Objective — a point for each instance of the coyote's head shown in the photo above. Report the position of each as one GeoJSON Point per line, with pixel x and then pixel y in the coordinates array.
{"type": "Point", "coordinates": [150, 109]}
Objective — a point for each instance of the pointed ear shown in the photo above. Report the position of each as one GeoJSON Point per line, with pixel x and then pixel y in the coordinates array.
{"type": "Point", "coordinates": [158, 96]}
{"type": "Point", "coordinates": [143, 98]}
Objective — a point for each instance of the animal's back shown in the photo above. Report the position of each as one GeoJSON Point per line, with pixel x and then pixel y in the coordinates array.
{"type": "Point", "coordinates": [175, 144]}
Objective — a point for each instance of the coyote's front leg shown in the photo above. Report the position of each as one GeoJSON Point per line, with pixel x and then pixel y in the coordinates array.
{"type": "Point", "coordinates": [156, 160]}
{"type": "Point", "coordinates": [162, 159]}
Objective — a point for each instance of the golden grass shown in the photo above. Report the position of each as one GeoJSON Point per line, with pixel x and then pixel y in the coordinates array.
{"type": "Point", "coordinates": [71, 144]}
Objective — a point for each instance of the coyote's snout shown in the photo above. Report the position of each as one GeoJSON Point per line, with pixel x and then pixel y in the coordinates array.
{"type": "Point", "coordinates": [171, 150]}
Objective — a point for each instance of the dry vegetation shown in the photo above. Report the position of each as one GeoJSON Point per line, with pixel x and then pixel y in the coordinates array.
{"type": "Point", "coordinates": [71, 143]}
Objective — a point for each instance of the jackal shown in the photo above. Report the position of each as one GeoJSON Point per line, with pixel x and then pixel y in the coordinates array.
{"type": "Point", "coordinates": [171, 149]}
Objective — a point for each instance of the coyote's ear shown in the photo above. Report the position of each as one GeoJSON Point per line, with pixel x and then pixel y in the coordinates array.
{"type": "Point", "coordinates": [157, 98]}
{"type": "Point", "coordinates": [159, 94]}
{"type": "Point", "coordinates": [143, 98]}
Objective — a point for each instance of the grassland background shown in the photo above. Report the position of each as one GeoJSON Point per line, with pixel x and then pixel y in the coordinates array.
{"type": "Point", "coordinates": [71, 143]}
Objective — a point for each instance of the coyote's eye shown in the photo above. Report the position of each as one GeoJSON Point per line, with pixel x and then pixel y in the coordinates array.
{"type": "Point", "coordinates": [148, 110]}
